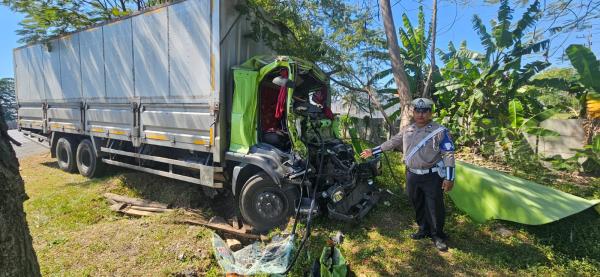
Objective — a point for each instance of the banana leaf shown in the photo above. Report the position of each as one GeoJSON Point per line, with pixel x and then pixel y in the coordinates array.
{"type": "Point", "coordinates": [486, 194]}
{"type": "Point", "coordinates": [355, 141]}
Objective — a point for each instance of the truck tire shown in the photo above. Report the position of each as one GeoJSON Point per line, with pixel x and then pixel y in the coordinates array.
{"type": "Point", "coordinates": [264, 204]}
{"type": "Point", "coordinates": [65, 155]}
{"type": "Point", "coordinates": [88, 164]}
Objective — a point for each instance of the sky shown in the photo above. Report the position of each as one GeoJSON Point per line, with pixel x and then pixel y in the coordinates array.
{"type": "Point", "coordinates": [454, 24]}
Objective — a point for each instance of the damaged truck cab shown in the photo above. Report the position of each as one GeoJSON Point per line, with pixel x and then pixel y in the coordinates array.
{"type": "Point", "coordinates": [285, 147]}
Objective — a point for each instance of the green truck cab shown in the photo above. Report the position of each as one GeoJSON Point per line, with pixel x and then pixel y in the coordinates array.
{"type": "Point", "coordinates": [285, 145]}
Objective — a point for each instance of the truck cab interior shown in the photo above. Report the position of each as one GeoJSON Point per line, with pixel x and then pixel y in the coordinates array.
{"type": "Point", "coordinates": [309, 100]}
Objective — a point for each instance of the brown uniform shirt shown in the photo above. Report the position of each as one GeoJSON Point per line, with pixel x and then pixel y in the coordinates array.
{"type": "Point", "coordinates": [436, 148]}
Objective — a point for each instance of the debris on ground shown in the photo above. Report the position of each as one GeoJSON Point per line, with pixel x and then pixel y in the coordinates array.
{"type": "Point", "coordinates": [256, 258]}
{"type": "Point", "coordinates": [135, 206]}
{"type": "Point", "coordinates": [217, 223]}
{"type": "Point", "coordinates": [503, 232]}
{"type": "Point", "coordinates": [233, 244]}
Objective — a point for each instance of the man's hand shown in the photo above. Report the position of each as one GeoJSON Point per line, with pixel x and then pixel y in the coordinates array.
{"type": "Point", "coordinates": [447, 185]}
{"type": "Point", "coordinates": [366, 153]}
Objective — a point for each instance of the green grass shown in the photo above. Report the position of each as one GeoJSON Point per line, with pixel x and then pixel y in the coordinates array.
{"type": "Point", "coordinates": [76, 234]}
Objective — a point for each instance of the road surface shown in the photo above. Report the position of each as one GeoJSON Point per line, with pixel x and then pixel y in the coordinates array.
{"type": "Point", "coordinates": [28, 147]}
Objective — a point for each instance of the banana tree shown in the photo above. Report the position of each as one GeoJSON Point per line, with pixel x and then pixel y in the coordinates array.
{"type": "Point", "coordinates": [479, 87]}
{"type": "Point", "coordinates": [588, 67]}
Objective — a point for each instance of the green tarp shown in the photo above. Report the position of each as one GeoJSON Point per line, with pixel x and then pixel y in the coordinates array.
{"type": "Point", "coordinates": [487, 194]}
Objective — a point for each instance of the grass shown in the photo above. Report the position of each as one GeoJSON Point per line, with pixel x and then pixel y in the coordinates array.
{"type": "Point", "coordinates": [75, 233]}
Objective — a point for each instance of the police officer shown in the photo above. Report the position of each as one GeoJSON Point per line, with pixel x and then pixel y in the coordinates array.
{"type": "Point", "coordinates": [424, 185]}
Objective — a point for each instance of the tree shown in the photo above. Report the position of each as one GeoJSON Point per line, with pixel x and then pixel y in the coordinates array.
{"type": "Point", "coordinates": [432, 33]}
{"type": "Point", "coordinates": [588, 67]}
{"type": "Point", "coordinates": [44, 19]}
{"type": "Point", "coordinates": [475, 97]}
{"type": "Point", "coordinates": [414, 43]}
{"type": "Point", "coordinates": [17, 256]}
{"type": "Point", "coordinates": [7, 98]}
{"type": "Point", "coordinates": [400, 78]}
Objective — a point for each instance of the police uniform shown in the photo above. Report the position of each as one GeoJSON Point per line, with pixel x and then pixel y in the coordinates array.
{"type": "Point", "coordinates": [424, 184]}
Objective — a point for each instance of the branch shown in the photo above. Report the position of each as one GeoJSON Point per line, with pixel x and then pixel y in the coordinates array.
{"type": "Point", "coordinates": [432, 67]}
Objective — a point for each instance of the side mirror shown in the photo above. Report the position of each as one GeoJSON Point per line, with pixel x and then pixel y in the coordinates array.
{"type": "Point", "coordinates": [280, 81]}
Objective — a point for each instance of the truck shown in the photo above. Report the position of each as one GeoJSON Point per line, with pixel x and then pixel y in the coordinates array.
{"type": "Point", "coordinates": [182, 90]}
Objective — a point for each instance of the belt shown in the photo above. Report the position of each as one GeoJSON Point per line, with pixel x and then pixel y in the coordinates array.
{"type": "Point", "coordinates": [423, 171]}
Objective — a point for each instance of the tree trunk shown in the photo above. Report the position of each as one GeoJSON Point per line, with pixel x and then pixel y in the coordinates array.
{"type": "Point", "coordinates": [397, 64]}
{"type": "Point", "coordinates": [433, 31]}
{"type": "Point", "coordinates": [17, 257]}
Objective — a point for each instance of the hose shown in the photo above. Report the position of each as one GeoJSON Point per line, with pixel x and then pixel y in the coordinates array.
{"type": "Point", "coordinates": [312, 205]}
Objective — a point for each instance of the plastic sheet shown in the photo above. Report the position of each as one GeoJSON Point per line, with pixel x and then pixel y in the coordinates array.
{"type": "Point", "coordinates": [256, 258]}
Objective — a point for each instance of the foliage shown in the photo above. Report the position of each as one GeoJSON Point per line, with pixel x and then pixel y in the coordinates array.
{"type": "Point", "coordinates": [414, 51]}
{"type": "Point", "coordinates": [489, 97]}
{"type": "Point", "coordinates": [589, 155]}
{"type": "Point", "coordinates": [44, 19]}
{"type": "Point", "coordinates": [336, 35]}
{"type": "Point", "coordinates": [8, 99]}
{"type": "Point", "coordinates": [588, 68]}
{"type": "Point", "coordinates": [561, 90]}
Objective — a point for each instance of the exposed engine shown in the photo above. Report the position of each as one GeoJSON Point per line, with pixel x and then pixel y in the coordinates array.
{"type": "Point", "coordinates": [344, 187]}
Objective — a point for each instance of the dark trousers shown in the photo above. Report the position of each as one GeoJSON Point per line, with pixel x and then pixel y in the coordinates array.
{"type": "Point", "coordinates": [427, 197]}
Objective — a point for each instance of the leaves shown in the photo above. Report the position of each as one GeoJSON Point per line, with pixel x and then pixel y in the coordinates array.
{"type": "Point", "coordinates": [528, 20]}
{"type": "Point", "coordinates": [586, 64]}
{"type": "Point", "coordinates": [596, 144]}
{"type": "Point", "coordinates": [484, 36]}
{"type": "Point", "coordinates": [515, 113]}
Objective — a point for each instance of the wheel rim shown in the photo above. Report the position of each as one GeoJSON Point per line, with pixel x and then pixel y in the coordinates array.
{"type": "Point", "coordinates": [269, 205]}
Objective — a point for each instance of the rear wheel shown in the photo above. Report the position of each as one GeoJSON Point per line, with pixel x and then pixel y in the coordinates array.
{"type": "Point", "coordinates": [88, 164]}
{"type": "Point", "coordinates": [264, 204]}
{"type": "Point", "coordinates": [65, 154]}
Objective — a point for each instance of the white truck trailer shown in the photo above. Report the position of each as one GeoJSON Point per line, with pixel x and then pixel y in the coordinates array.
{"type": "Point", "coordinates": [159, 92]}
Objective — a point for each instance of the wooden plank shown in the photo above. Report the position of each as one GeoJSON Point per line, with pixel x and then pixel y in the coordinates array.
{"type": "Point", "coordinates": [224, 227]}
{"type": "Point", "coordinates": [135, 201]}
{"type": "Point", "coordinates": [151, 209]}
{"type": "Point", "coordinates": [130, 211]}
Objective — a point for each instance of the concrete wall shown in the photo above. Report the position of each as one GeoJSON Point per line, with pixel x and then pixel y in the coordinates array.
{"type": "Point", "coordinates": [570, 130]}
{"type": "Point", "coordinates": [373, 130]}
{"type": "Point", "coordinates": [571, 137]}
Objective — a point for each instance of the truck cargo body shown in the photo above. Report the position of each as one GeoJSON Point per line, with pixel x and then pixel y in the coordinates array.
{"type": "Point", "coordinates": [159, 77]}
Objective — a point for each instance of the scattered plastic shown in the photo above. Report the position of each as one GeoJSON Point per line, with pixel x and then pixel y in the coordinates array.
{"type": "Point", "coordinates": [256, 258]}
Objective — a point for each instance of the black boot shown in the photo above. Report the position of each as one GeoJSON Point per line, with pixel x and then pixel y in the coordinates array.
{"type": "Point", "coordinates": [419, 235]}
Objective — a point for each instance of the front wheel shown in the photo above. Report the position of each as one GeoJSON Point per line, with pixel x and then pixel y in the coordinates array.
{"type": "Point", "coordinates": [264, 204]}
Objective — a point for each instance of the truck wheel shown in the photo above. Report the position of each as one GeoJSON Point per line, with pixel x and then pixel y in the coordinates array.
{"type": "Point", "coordinates": [88, 163]}
{"type": "Point", "coordinates": [265, 205]}
{"type": "Point", "coordinates": [65, 155]}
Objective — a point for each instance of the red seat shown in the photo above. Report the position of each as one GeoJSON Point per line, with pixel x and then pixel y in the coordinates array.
{"type": "Point", "coordinates": [268, 103]}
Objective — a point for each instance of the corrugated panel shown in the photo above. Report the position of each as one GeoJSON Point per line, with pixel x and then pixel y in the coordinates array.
{"type": "Point", "coordinates": [189, 46]}
{"type": "Point", "coordinates": [22, 76]}
{"type": "Point", "coordinates": [118, 58]}
{"type": "Point", "coordinates": [92, 64]}
{"type": "Point", "coordinates": [50, 54]}
{"type": "Point", "coordinates": [150, 50]}
{"type": "Point", "coordinates": [37, 85]}
{"type": "Point", "coordinates": [70, 70]}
